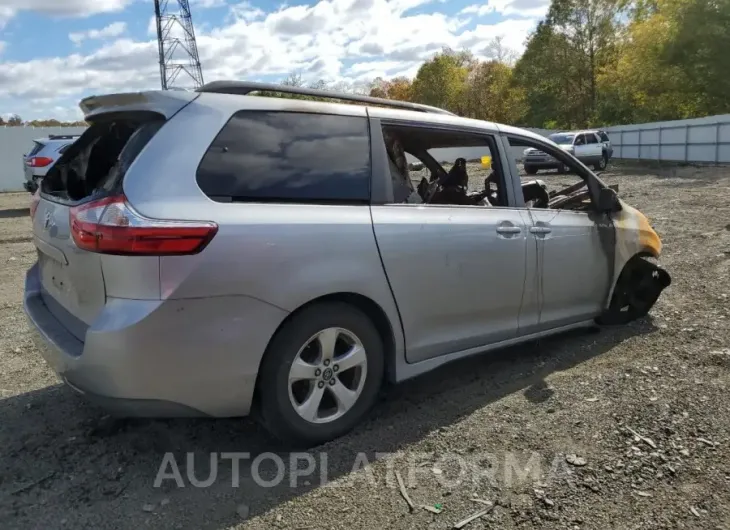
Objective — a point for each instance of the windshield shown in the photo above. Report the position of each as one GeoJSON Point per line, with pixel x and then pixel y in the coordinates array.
{"type": "Point", "coordinates": [562, 138]}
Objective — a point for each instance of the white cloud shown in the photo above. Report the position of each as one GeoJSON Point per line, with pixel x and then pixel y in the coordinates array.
{"type": "Point", "coordinates": [206, 4]}
{"type": "Point", "coordinates": [66, 8]}
{"type": "Point", "coordinates": [341, 41]}
{"type": "Point", "coordinates": [2, 46]}
{"type": "Point", "coordinates": [114, 29]}
{"type": "Point", "coordinates": [522, 8]}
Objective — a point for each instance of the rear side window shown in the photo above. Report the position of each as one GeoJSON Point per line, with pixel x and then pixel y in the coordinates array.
{"type": "Point", "coordinates": [36, 147]}
{"type": "Point", "coordinates": [591, 138]}
{"type": "Point", "coordinates": [604, 136]}
{"type": "Point", "coordinates": [288, 157]}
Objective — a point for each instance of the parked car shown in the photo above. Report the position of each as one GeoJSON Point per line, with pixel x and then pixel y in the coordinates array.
{"type": "Point", "coordinates": [213, 253]}
{"type": "Point", "coordinates": [593, 148]}
{"type": "Point", "coordinates": [45, 153]}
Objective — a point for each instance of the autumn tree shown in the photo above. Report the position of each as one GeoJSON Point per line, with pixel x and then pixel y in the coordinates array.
{"type": "Point", "coordinates": [399, 88]}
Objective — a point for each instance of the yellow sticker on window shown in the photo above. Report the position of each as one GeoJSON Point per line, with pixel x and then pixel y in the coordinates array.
{"type": "Point", "coordinates": [487, 162]}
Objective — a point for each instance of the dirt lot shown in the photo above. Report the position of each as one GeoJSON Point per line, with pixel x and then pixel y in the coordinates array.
{"type": "Point", "coordinates": [643, 411]}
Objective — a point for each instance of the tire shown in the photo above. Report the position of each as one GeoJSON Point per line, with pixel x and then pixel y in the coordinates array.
{"type": "Point", "coordinates": [637, 289]}
{"type": "Point", "coordinates": [277, 397]}
{"type": "Point", "coordinates": [531, 170]}
{"type": "Point", "coordinates": [602, 164]}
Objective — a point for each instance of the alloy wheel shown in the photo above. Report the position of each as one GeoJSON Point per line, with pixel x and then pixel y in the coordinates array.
{"type": "Point", "coordinates": [327, 375]}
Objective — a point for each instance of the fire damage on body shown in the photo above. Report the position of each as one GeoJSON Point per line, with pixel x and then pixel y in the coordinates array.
{"type": "Point", "coordinates": [628, 242]}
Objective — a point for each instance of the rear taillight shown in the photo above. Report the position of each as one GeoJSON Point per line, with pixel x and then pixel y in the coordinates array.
{"type": "Point", "coordinates": [39, 161]}
{"type": "Point", "coordinates": [34, 200]}
{"type": "Point", "coordinates": [111, 226]}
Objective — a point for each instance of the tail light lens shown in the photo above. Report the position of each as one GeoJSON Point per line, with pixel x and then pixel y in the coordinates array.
{"type": "Point", "coordinates": [34, 200]}
{"type": "Point", "coordinates": [112, 226]}
{"type": "Point", "coordinates": [39, 161]}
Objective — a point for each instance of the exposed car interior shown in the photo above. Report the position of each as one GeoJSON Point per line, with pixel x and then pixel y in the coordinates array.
{"type": "Point", "coordinates": [446, 185]}
{"type": "Point", "coordinates": [573, 196]}
{"type": "Point", "coordinates": [442, 186]}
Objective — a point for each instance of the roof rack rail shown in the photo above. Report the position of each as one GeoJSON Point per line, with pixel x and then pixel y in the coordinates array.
{"type": "Point", "coordinates": [244, 88]}
{"type": "Point", "coordinates": [63, 136]}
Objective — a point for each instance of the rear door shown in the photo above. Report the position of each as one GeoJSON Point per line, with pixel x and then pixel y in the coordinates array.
{"type": "Point", "coordinates": [457, 271]}
{"type": "Point", "coordinates": [72, 280]}
{"type": "Point", "coordinates": [594, 146]}
{"type": "Point", "coordinates": [581, 148]}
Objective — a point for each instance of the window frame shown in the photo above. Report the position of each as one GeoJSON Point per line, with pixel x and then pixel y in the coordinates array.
{"type": "Point", "coordinates": [382, 186]}
{"type": "Point", "coordinates": [594, 183]}
{"type": "Point", "coordinates": [261, 200]}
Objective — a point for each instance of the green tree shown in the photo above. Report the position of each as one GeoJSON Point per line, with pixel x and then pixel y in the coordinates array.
{"type": "Point", "coordinates": [441, 80]}
{"type": "Point", "coordinates": [492, 95]}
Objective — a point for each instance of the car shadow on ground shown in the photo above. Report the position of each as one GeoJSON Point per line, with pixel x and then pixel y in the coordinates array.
{"type": "Point", "coordinates": [67, 464]}
{"type": "Point", "coordinates": [10, 213]}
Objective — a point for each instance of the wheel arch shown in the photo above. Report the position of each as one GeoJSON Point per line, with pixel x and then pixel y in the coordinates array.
{"type": "Point", "coordinates": [367, 306]}
{"type": "Point", "coordinates": [645, 252]}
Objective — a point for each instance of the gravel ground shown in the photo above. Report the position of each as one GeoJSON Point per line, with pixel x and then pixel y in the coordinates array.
{"type": "Point", "coordinates": [626, 428]}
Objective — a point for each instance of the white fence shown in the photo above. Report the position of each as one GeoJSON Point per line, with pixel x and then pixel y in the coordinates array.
{"type": "Point", "coordinates": [14, 143]}
{"type": "Point", "coordinates": [697, 140]}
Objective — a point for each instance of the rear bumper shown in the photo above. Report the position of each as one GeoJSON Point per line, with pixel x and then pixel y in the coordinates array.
{"type": "Point", "coordinates": [160, 358]}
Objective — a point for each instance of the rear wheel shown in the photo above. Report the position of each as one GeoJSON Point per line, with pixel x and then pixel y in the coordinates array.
{"type": "Point", "coordinates": [602, 163]}
{"type": "Point", "coordinates": [531, 170]}
{"type": "Point", "coordinates": [320, 375]}
{"type": "Point", "coordinates": [562, 169]}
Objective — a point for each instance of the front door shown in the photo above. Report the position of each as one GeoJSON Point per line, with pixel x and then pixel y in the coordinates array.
{"type": "Point", "coordinates": [573, 248]}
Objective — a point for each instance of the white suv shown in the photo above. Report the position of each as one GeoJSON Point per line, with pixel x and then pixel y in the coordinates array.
{"type": "Point", "coordinates": [590, 147]}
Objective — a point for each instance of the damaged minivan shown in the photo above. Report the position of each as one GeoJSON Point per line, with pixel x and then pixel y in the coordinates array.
{"type": "Point", "coordinates": [219, 253]}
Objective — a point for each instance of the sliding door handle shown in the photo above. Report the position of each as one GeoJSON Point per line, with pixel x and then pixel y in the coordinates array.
{"type": "Point", "coordinates": [509, 229]}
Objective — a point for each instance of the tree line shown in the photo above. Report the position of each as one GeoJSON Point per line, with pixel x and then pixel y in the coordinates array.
{"type": "Point", "coordinates": [588, 63]}
{"type": "Point", "coordinates": [16, 121]}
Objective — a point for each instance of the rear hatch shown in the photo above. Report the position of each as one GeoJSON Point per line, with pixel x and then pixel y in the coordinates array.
{"type": "Point", "coordinates": [91, 168]}
{"type": "Point", "coordinates": [37, 146]}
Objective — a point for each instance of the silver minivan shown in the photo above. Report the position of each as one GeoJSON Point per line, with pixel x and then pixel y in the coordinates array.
{"type": "Point", "coordinates": [210, 253]}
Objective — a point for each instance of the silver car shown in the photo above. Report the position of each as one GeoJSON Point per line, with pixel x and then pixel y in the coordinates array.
{"type": "Point", "coordinates": [40, 159]}
{"type": "Point", "coordinates": [590, 147]}
{"type": "Point", "coordinates": [215, 252]}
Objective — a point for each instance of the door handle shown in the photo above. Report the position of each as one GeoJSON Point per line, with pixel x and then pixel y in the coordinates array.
{"type": "Point", "coordinates": [540, 230]}
{"type": "Point", "coordinates": [508, 230]}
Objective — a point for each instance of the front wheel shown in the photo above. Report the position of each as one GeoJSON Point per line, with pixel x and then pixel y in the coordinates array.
{"type": "Point", "coordinates": [531, 170]}
{"type": "Point", "coordinates": [321, 374]}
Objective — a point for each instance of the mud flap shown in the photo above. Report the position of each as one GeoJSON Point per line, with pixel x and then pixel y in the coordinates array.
{"type": "Point", "coordinates": [637, 290]}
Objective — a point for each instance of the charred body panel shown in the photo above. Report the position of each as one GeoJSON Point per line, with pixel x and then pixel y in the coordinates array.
{"type": "Point", "coordinates": [637, 282]}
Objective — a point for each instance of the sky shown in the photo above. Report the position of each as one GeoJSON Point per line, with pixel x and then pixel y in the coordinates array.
{"type": "Point", "coordinates": [55, 52]}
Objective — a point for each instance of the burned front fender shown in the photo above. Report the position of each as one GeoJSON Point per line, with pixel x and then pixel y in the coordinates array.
{"type": "Point", "coordinates": [637, 282]}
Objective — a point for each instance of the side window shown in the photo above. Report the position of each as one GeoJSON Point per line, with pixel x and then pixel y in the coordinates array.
{"type": "Point", "coordinates": [591, 138]}
{"type": "Point", "coordinates": [580, 139]}
{"type": "Point", "coordinates": [560, 184]}
{"type": "Point", "coordinates": [604, 136]}
{"type": "Point", "coordinates": [439, 167]}
{"type": "Point", "coordinates": [288, 157]}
